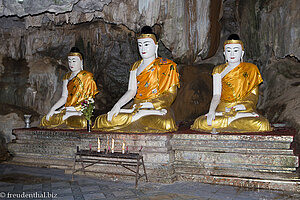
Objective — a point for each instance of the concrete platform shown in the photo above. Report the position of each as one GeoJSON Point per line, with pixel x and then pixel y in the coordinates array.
{"type": "Point", "coordinates": [254, 160]}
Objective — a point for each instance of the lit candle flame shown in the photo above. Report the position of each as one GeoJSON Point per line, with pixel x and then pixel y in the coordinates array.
{"type": "Point", "coordinates": [98, 149]}
{"type": "Point", "coordinates": [112, 145]}
{"type": "Point", "coordinates": [123, 147]}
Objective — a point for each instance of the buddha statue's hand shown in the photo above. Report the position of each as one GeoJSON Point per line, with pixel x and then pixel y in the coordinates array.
{"type": "Point", "coordinates": [163, 111]}
{"type": "Point", "coordinates": [70, 109]}
{"type": "Point", "coordinates": [146, 105]}
{"type": "Point", "coordinates": [71, 113]}
{"type": "Point", "coordinates": [210, 118]}
{"type": "Point", "coordinates": [142, 113]}
{"type": "Point", "coordinates": [114, 112]}
{"type": "Point", "coordinates": [239, 107]}
{"type": "Point", "coordinates": [50, 113]}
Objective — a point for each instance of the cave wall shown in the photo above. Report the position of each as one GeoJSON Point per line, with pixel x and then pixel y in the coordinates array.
{"type": "Point", "coordinates": [36, 40]}
{"type": "Point", "coordinates": [184, 24]}
{"type": "Point", "coordinates": [271, 32]}
{"type": "Point", "coordinates": [108, 51]}
{"type": "Point", "coordinates": [37, 35]}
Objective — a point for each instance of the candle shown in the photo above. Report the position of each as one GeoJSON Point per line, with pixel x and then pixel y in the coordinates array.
{"type": "Point", "coordinates": [90, 146]}
{"type": "Point", "coordinates": [112, 145]}
{"type": "Point", "coordinates": [98, 149]}
{"type": "Point", "coordinates": [123, 148]}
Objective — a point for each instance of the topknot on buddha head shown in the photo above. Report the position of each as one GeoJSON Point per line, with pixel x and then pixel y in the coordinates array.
{"type": "Point", "coordinates": [234, 39]}
{"type": "Point", "coordinates": [146, 32]}
{"type": "Point", "coordinates": [75, 52]}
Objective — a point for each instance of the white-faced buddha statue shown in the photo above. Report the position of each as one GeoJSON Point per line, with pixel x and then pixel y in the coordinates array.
{"type": "Point", "coordinates": [235, 95]}
{"type": "Point", "coordinates": [153, 83]}
{"type": "Point", "coordinates": [78, 86]}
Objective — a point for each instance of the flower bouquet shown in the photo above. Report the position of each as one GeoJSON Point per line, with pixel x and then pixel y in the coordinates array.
{"type": "Point", "coordinates": [87, 108]}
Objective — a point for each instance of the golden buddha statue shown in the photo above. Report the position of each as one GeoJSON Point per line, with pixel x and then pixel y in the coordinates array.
{"type": "Point", "coordinates": [235, 95]}
{"type": "Point", "coordinates": [153, 83]}
{"type": "Point", "coordinates": [78, 86]}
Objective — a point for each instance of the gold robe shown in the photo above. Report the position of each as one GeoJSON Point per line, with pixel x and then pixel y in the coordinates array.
{"type": "Point", "coordinates": [80, 88]}
{"type": "Point", "coordinates": [157, 84]}
{"type": "Point", "coordinates": [239, 86]}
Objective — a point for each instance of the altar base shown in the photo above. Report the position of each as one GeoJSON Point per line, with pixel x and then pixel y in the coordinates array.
{"type": "Point", "coordinates": [254, 160]}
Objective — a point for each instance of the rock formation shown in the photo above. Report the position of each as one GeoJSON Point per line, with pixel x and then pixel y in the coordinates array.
{"type": "Point", "coordinates": [37, 35]}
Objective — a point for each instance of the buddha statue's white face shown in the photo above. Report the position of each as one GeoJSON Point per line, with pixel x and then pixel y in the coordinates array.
{"type": "Point", "coordinates": [75, 64]}
{"type": "Point", "coordinates": [147, 48]}
{"type": "Point", "coordinates": [233, 53]}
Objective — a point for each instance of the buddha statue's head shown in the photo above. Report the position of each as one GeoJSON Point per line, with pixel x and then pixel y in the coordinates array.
{"type": "Point", "coordinates": [233, 49]}
{"type": "Point", "coordinates": [75, 60]}
{"type": "Point", "coordinates": [147, 43]}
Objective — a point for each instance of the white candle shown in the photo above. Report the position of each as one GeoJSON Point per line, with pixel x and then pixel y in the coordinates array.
{"type": "Point", "coordinates": [112, 145]}
{"type": "Point", "coordinates": [98, 149]}
{"type": "Point", "coordinates": [123, 148]}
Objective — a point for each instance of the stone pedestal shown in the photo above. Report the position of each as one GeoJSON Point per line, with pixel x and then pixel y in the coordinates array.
{"type": "Point", "coordinates": [263, 160]}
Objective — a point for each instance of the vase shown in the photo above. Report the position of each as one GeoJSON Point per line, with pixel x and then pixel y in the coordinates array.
{"type": "Point", "coordinates": [88, 125]}
{"type": "Point", "coordinates": [27, 121]}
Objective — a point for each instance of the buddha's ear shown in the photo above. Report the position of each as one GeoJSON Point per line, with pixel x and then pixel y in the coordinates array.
{"type": "Point", "coordinates": [156, 50]}
{"type": "Point", "coordinates": [243, 53]}
{"type": "Point", "coordinates": [81, 64]}
{"type": "Point", "coordinates": [224, 55]}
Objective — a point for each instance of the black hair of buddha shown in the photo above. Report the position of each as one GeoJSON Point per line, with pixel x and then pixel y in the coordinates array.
{"type": "Point", "coordinates": [233, 37]}
{"type": "Point", "coordinates": [148, 30]}
{"type": "Point", "coordinates": [76, 50]}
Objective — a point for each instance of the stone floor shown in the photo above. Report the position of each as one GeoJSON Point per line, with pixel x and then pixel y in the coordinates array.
{"type": "Point", "coordinates": [16, 181]}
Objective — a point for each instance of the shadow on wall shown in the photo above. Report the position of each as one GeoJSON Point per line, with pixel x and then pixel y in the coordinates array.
{"type": "Point", "coordinates": [195, 92]}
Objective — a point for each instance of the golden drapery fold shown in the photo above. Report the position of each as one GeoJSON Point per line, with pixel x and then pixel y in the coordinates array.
{"type": "Point", "coordinates": [156, 78]}
{"type": "Point", "coordinates": [239, 82]}
{"type": "Point", "coordinates": [239, 87]}
{"type": "Point", "coordinates": [80, 88]}
{"type": "Point", "coordinates": [157, 84]}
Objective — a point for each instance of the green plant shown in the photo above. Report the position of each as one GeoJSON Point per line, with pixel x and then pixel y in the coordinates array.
{"type": "Point", "coordinates": [87, 108]}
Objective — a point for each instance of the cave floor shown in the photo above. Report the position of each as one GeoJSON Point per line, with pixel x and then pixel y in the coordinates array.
{"type": "Point", "coordinates": [22, 180]}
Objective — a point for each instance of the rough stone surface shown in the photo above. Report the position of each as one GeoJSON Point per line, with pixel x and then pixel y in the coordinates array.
{"type": "Point", "coordinates": [270, 28]}
{"type": "Point", "coordinates": [195, 92]}
{"type": "Point", "coordinates": [12, 117]}
{"type": "Point", "coordinates": [41, 73]}
{"type": "Point", "coordinates": [185, 24]}
{"type": "Point", "coordinates": [281, 93]}
{"type": "Point", "coordinates": [271, 32]}
{"type": "Point", "coordinates": [23, 8]}
{"type": "Point", "coordinates": [3, 147]}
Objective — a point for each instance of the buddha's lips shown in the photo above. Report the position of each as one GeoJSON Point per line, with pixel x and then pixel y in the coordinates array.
{"type": "Point", "coordinates": [143, 52]}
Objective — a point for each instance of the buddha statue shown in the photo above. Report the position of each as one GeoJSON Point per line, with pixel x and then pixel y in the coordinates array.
{"type": "Point", "coordinates": [153, 83]}
{"type": "Point", "coordinates": [78, 86]}
{"type": "Point", "coordinates": [235, 95]}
